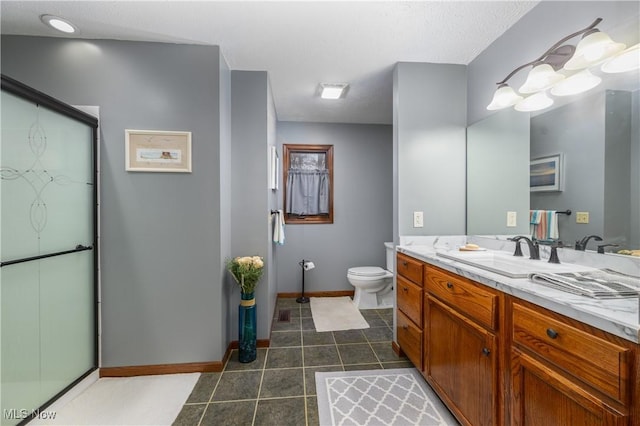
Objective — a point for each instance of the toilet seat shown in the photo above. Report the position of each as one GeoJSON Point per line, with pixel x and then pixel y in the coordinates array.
{"type": "Point", "coordinates": [367, 271]}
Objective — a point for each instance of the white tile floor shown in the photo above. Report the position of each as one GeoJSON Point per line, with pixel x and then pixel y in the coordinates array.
{"type": "Point", "coordinates": [142, 400]}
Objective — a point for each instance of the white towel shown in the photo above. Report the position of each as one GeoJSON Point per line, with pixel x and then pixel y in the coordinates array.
{"type": "Point", "coordinates": [278, 227]}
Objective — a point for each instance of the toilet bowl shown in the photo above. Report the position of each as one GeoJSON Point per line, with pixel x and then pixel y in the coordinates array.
{"type": "Point", "coordinates": [373, 285]}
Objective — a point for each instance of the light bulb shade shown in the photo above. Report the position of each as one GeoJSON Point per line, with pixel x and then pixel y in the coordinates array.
{"type": "Point", "coordinates": [541, 77]}
{"type": "Point", "coordinates": [534, 102]}
{"type": "Point", "coordinates": [593, 48]}
{"type": "Point", "coordinates": [578, 83]}
{"type": "Point", "coordinates": [627, 60]}
{"type": "Point", "coordinates": [504, 97]}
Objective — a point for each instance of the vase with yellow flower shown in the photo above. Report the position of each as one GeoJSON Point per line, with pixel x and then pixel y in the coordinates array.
{"type": "Point", "coordinates": [246, 271]}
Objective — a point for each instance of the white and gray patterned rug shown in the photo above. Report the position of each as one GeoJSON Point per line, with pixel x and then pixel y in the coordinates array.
{"type": "Point", "coordinates": [379, 397]}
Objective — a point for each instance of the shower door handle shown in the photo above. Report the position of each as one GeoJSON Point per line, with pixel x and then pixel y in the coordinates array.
{"type": "Point", "coordinates": [78, 248]}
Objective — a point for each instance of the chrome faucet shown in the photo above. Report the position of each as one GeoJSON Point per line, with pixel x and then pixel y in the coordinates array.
{"type": "Point", "coordinates": [534, 250]}
{"type": "Point", "coordinates": [582, 244]}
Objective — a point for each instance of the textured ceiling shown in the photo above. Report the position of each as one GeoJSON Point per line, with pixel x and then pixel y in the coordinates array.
{"type": "Point", "coordinates": [300, 44]}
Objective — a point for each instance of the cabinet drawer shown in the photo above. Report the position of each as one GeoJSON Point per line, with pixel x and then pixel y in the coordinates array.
{"type": "Point", "coordinates": [409, 268]}
{"type": "Point", "coordinates": [409, 299]}
{"type": "Point", "coordinates": [593, 360]}
{"type": "Point", "coordinates": [410, 339]}
{"type": "Point", "coordinates": [460, 293]}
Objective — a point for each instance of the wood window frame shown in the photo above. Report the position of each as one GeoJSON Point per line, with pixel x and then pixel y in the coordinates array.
{"type": "Point", "coordinates": [317, 149]}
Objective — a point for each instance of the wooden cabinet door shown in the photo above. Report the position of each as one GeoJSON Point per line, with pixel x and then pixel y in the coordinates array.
{"type": "Point", "coordinates": [461, 364]}
{"type": "Point", "coordinates": [541, 396]}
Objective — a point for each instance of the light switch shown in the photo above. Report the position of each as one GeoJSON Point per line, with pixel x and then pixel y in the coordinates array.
{"type": "Point", "coordinates": [418, 219]}
{"type": "Point", "coordinates": [511, 219]}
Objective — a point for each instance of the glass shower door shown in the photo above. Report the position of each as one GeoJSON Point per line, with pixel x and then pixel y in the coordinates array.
{"type": "Point", "coordinates": [47, 275]}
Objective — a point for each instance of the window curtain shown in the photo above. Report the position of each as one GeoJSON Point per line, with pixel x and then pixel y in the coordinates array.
{"type": "Point", "coordinates": [308, 192]}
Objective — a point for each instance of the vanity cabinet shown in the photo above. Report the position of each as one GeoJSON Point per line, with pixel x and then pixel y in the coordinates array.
{"type": "Point", "coordinates": [565, 372]}
{"type": "Point", "coordinates": [495, 359]}
{"type": "Point", "coordinates": [409, 303]}
{"type": "Point", "coordinates": [461, 346]}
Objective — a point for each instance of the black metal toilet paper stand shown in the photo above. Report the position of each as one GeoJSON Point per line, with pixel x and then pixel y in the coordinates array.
{"type": "Point", "coordinates": [302, 298]}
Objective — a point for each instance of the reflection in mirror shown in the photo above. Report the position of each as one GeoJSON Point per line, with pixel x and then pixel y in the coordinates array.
{"type": "Point", "coordinates": [598, 136]}
{"type": "Point", "coordinates": [498, 174]}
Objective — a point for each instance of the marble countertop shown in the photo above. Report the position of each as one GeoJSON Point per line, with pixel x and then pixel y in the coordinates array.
{"type": "Point", "coordinates": [616, 316]}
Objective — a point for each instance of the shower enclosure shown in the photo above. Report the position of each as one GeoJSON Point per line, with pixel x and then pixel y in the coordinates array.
{"type": "Point", "coordinates": [48, 250]}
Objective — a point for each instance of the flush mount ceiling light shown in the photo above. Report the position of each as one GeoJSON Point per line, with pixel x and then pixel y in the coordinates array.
{"type": "Point", "coordinates": [594, 48]}
{"type": "Point", "coordinates": [58, 23]}
{"type": "Point", "coordinates": [332, 91]}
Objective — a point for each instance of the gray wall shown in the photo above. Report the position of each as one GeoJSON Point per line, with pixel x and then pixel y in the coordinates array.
{"type": "Point", "coordinates": [250, 195]}
{"type": "Point", "coordinates": [497, 170]}
{"type": "Point", "coordinates": [635, 170]}
{"type": "Point", "coordinates": [429, 135]}
{"type": "Point", "coordinates": [533, 34]}
{"type": "Point", "coordinates": [162, 239]}
{"type": "Point", "coordinates": [227, 294]}
{"type": "Point", "coordinates": [556, 132]}
{"type": "Point", "coordinates": [594, 135]}
{"type": "Point", "coordinates": [272, 252]}
{"type": "Point", "coordinates": [617, 168]}
{"type": "Point", "coordinates": [362, 207]}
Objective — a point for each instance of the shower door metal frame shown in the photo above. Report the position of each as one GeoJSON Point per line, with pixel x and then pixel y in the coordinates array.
{"type": "Point", "coordinates": [25, 92]}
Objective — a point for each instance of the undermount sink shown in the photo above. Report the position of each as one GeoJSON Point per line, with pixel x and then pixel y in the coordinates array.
{"type": "Point", "coordinates": [508, 265]}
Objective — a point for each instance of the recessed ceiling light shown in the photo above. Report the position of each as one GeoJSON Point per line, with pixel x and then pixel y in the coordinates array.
{"type": "Point", "coordinates": [58, 23]}
{"type": "Point", "coordinates": [332, 91]}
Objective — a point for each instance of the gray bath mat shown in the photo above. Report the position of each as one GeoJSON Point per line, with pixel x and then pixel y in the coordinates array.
{"type": "Point", "coordinates": [379, 397]}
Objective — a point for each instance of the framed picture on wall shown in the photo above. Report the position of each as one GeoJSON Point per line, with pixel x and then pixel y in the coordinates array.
{"type": "Point", "coordinates": [157, 151]}
{"type": "Point", "coordinates": [545, 173]}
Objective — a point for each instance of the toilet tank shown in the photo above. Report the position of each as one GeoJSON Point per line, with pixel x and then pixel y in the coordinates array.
{"type": "Point", "coordinates": [391, 254]}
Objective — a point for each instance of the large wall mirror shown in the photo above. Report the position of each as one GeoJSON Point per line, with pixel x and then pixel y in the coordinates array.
{"type": "Point", "coordinates": [598, 138]}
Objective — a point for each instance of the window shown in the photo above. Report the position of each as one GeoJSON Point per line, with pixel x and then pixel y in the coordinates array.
{"type": "Point", "coordinates": [308, 183]}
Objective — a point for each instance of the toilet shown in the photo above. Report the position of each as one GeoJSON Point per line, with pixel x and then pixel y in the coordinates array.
{"type": "Point", "coordinates": [373, 285]}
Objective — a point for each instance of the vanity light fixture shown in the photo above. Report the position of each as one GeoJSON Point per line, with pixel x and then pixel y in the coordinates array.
{"type": "Point", "coordinates": [577, 83]}
{"type": "Point", "coordinates": [504, 97]}
{"type": "Point", "coordinates": [627, 60]}
{"type": "Point", "coordinates": [541, 77]}
{"type": "Point", "coordinates": [332, 91]}
{"type": "Point", "coordinates": [535, 102]}
{"type": "Point", "coordinates": [58, 23]}
{"type": "Point", "coordinates": [594, 48]}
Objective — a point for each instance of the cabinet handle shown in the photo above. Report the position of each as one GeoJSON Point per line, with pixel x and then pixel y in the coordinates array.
{"type": "Point", "coordinates": [405, 327]}
{"type": "Point", "coordinates": [552, 333]}
{"type": "Point", "coordinates": [405, 263]}
{"type": "Point", "coordinates": [449, 285]}
{"type": "Point", "coordinates": [486, 351]}
{"type": "Point", "coordinates": [405, 289]}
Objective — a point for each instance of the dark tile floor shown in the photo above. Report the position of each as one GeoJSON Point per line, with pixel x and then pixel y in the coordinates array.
{"type": "Point", "coordinates": [278, 388]}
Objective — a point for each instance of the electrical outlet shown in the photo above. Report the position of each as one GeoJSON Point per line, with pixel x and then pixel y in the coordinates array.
{"type": "Point", "coordinates": [418, 219]}
{"type": "Point", "coordinates": [582, 217]}
{"type": "Point", "coordinates": [511, 219]}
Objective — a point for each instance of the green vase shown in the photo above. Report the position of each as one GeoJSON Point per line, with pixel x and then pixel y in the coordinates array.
{"type": "Point", "coordinates": [247, 328]}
